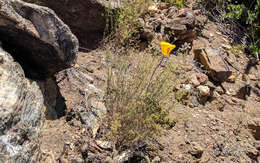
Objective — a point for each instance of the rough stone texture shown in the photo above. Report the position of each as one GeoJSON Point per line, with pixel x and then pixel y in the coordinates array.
{"type": "Point", "coordinates": [216, 126]}
{"type": "Point", "coordinates": [169, 23]}
{"type": "Point", "coordinates": [258, 84]}
{"type": "Point", "coordinates": [83, 99]}
{"type": "Point", "coordinates": [21, 107]}
{"type": "Point", "coordinates": [198, 78]}
{"type": "Point", "coordinates": [46, 45]}
{"type": "Point", "coordinates": [214, 63]}
{"type": "Point", "coordinates": [254, 126]}
{"type": "Point", "coordinates": [204, 90]}
{"type": "Point", "coordinates": [53, 101]}
{"type": "Point", "coordinates": [84, 17]}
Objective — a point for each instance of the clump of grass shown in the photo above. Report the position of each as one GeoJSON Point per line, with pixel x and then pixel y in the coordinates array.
{"type": "Point", "coordinates": [182, 96]}
{"type": "Point", "coordinates": [124, 21]}
{"type": "Point", "coordinates": [236, 49]}
{"type": "Point", "coordinates": [178, 3]}
{"type": "Point", "coordinates": [138, 106]}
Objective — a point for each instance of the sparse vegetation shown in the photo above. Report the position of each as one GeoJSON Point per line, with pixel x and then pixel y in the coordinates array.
{"type": "Point", "coordinates": [236, 49]}
{"type": "Point", "coordinates": [120, 101]}
{"type": "Point", "coordinates": [138, 106]}
{"type": "Point", "coordinates": [246, 14]}
{"type": "Point", "coordinates": [178, 3]}
{"type": "Point", "coordinates": [182, 96]}
{"type": "Point", "coordinates": [124, 21]}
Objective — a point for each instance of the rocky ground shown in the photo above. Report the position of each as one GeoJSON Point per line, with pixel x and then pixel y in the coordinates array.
{"type": "Point", "coordinates": [218, 121]}
{"type": "Point", "coordinates": [218, 124]}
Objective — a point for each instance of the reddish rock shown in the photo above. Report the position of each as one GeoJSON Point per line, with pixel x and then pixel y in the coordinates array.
{"type": "Point", "coordinates": [194, 81]}
{"type": "Point", "coordinates": [252, 77]}
{"type": "Point", "coordinates": [170, 22]}
{"type": "Point", "coordinates": [202, 78]}
{"type": "Point", "coordinates": [214, 63]}
{"type": "Point", "coordinates": [198, 78]}
{"type": "Point", "coordinates": [162, 5]}
{"type": "Point", "coordinates": [147, 36]}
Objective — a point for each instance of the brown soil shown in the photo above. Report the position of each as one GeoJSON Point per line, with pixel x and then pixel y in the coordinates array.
{"type": "Point", "coordinates": [221, 130]}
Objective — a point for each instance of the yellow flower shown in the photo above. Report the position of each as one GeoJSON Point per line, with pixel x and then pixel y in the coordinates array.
{"type": "Point", "coordinates": [166, 48]}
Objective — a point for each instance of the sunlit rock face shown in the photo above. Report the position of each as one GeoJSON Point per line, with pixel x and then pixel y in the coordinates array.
{"type": "Point", "coordinates": [21, 107]}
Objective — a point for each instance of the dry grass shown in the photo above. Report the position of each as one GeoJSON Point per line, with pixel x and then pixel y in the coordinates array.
{"type": "Point", "coordinates": [124, 22]}
{"type": "Point", "coordinates": [138, 106]}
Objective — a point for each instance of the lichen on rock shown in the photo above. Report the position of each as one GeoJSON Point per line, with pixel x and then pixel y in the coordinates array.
{"type": "Point", "coordinates": [21, 106]}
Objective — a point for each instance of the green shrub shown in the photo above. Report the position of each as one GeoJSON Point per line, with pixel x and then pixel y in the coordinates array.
{"type": "Point", "coordinates": [123, 22]}
{"type": "Point", "coordinates": [245, 13]}
{"type": "Point", "coordinates": [138, 106]}
{"type": "Point", "coordinates": [236, 49]}
{"type": "Point", "coordinates": [182, 96]}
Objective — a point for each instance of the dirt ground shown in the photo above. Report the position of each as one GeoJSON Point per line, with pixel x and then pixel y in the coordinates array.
{"type": "Point", "coordinates": [224, 129]}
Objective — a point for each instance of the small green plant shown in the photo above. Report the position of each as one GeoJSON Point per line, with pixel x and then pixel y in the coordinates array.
{"type": "Point", "coordinates": [246, 14]}
{"type": "Point", "coordinates": [182, 96]}
{"type": "Point", "coordinates": [236, 49]}
{"type": "Point", "coordinates": [178, 3]}
{"type": "Point", "coordinates": [138, 105]}
{"type": "Point", "coordinates": [124, 21]}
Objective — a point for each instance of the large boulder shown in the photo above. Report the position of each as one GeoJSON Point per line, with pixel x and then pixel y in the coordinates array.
{"type": "Point", "coordinates": [46, 45]}
{"type": "Point", "coordinates": [21, 110]}
{"type": "Point", "coordinates": [85, 17]}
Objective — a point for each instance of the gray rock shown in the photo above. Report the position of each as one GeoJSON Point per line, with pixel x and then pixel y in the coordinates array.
{"type": "Point", "coordinates": [257, 145]}
{"type": "Point", "coordinates": [204, 90]}
{"type": "Point", "coordinates": [21, 110]}
{"type": "Point", "coordinates": [46, 45]}
{"type": "Point", "coordinates": [157, 159]}
{"type": "Point", "coordinates": [105, 144]}
{"type": "Point", "coordinates": [85, 17]}
{"type": "Point", "coordinates": [96, 110]}
{"type": "Point", "coordinates": [86, 100]}
{"type": "Point", "coordinates": [196, 150]}
{"type": "Point", "coordinates": [244, 92]}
